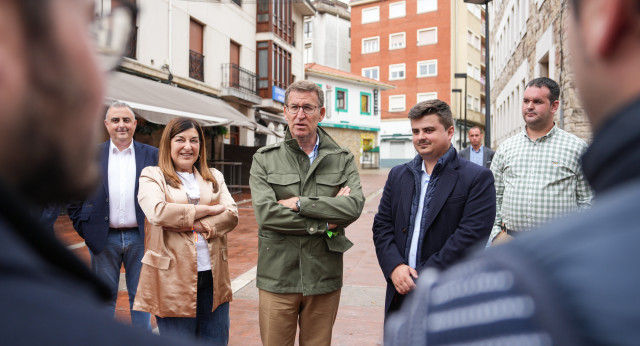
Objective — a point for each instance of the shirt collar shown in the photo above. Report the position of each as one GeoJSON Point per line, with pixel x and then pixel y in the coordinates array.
{"type": "Point", "coordinates": [477, 151]}
{"type": "Point", "coordinates": [549, 134]}
{"type": "Point", "coordinates": [114, 149]}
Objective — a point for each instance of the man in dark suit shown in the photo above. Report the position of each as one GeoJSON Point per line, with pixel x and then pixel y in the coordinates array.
{"type": "Point", "coordinates": [432, 208]}
{"type": "Point", "coordinates": [480, 155]}
{"type": "Point", "coordinates": [111, 221]}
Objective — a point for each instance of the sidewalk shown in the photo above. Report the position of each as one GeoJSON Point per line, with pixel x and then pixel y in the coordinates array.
{"type": "Point", "coordinates": [360, 317]}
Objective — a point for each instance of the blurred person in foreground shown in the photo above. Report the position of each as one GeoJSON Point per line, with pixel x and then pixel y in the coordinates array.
{"type": "Point", "coordinates": [573, 282]}
{"type": "Point", "coordinates": [50, 100]}
{"type": "Point", "coordinates": [185, 274]}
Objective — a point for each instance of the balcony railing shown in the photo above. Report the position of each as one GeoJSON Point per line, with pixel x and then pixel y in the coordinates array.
{"type": "Point", "coordinates": [234, 76]}
{"type": "Point", "coordinates": [196, 65]}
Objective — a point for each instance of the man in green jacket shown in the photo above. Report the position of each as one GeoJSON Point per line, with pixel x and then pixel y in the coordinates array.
{"type": "Point", "coordinates": [305, 191]}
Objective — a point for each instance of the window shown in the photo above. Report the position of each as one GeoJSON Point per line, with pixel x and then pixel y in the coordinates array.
{"type": "Point", "coordinates": [341, 99]}
{"type": "Point", "coordinates": [427, 36]}
{"type": "Point", "coordinates": [397, 10]}
{"type": "Point", "coordinates": [426, 96]}
{"type": "Point", "coordinates": [473, 40]}
{"type": "Point", "coordinates": [473, 71]}
{"type": "Point", "coordinates": [427, 6]}
{"type": "Point", "coordinates": [370, 45]}
{"type": "Point", "coordinates": [396, 103]}
{"type": "Point", "coordinates": [307, 29]}
{"type": "Point", "coordinates": [365, 103]}
{"type": "Point", "coordinates": [370, 15]}
{"type": "Point", "coordinates": [274, 68]}
{"type": "Point", "coordinates": [276, 17]}
{"type": "Point", "coordinates": [371, 72]}
{"type": "Point", "coordinates": [196, 57]}
{"type": "Point", "coordinates": [469, 102]}
{"type": "Point", "coordinates": [396, 71]}
{"type": "Point", "coordinates": [427, 68]}
{"type": "Point", "coordinates": [397, 41]}
{"type": "Point", "coordinates": [474, 9]}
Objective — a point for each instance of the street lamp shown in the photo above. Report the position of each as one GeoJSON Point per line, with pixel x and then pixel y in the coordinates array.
{"type": "Point", "coordinates": [466, 91]}
{"type": "Point", "coordinates": [459, 91]}
{"type": "Point", "coordinates": [487, 98]}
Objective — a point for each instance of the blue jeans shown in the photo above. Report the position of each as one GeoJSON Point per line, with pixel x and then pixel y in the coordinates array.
{"type": "Point", "coordinates": [122, 247]}
{"type": "Point", "coordinates": [207, 325]}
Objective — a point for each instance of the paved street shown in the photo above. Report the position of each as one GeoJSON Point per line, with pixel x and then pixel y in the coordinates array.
{"type": "Point", "coordinates": [360, 317]}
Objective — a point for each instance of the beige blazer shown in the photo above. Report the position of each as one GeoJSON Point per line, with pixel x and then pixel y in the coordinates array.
{"type": "Point", "coordinates": [169, 276]}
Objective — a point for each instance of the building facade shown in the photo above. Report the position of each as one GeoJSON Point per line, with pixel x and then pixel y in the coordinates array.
{"type": "Point", "coordinates": [527, 41]}
{"type": "Point", "coordinates": [419, 46]}
{"type": "Point", "coordinates": [327, 35]}
{"type": "Point", "coordinates": [188, 45]}
{"type": "Point", "coordinates": [352, 116]}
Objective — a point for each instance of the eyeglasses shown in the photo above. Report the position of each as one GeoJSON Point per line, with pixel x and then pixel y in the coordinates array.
{"type": "Point", "coordinates": [111, 34]}
{"type": "Point", "coordinates": [306, 109]}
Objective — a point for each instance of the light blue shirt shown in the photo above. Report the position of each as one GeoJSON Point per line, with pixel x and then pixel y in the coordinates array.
{"type": "Point", "coordinates": [314, 152]}
{"type": "Point", "coordinates": [413, 249]}
{"type": "Point", "coordinates": [476, 156]}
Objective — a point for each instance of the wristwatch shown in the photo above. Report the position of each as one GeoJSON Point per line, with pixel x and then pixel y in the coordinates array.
{"type": "Point", "coordinates": [298, 205]}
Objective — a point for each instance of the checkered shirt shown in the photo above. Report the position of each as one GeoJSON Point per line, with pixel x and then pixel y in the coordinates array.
{"type": "Point", "coordinates": [538, 180]}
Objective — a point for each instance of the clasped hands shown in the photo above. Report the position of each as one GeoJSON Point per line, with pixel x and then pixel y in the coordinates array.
{"type": "Point", "coordinates": [291, 202]}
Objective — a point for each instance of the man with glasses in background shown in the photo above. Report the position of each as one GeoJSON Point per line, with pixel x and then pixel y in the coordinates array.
{"type": "Point", "coordinates": [305, 191]}
{"type": "Point", "coordinates": [50, 101]}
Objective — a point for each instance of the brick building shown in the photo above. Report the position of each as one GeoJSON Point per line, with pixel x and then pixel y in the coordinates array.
{"type": "Point", "coordinates": [418, 46]}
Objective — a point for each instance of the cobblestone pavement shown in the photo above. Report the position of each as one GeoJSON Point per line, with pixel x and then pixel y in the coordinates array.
{"type": "Point", "coordinates": [360, 316]}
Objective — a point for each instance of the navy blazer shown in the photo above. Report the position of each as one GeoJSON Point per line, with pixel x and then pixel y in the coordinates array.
{"type": "Point", "coordinates": [91, 217]}
{"type": "Point", "coordinates": [461, 214]}
{"type": "Point", "coordinates": [487, 155]}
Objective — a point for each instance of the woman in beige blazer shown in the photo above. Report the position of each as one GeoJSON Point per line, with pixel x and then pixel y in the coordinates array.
{"type": "Point", "coordinates": [184, 279]}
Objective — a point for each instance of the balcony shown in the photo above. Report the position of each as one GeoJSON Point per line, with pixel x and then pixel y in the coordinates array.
{"type": "Point", "coordinates": [239, 85]}
{"type": "Point", "coordinates": [196, 65]}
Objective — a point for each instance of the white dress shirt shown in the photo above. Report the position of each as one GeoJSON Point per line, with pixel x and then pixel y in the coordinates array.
{"type": "Point", "coordinates": [122, 185]}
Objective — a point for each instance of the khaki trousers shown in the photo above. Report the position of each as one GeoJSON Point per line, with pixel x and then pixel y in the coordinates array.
{"type": "Point", "coordinates": [281, 312]}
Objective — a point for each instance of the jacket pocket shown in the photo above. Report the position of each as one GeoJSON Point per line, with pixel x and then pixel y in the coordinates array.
{"type": "Point", "coordinates": [284, 185]}
{"type": "Point", "coordinates": [329, 184]}
{"type": "Point", "coordinates": [156, 260]}
{"type": "Point", "coordinates": [338, 244]}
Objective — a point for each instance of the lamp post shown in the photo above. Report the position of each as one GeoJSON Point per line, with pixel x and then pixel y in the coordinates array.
{"type": "Point", "coordinates": [487, 99]}
{"type": "Point", "coordinates": [459, 91]}
{"type": "Point", "coordinates": [466, 91]}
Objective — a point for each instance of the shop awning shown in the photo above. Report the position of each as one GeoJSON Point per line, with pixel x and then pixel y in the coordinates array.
{"type": "Point", "coordinates": [159, 103]}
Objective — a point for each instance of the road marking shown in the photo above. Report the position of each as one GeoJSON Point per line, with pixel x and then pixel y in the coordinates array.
{"type": "Point", "coordinates": [373, 195]}
{"type": "Point", "coordinates": [244, 279]}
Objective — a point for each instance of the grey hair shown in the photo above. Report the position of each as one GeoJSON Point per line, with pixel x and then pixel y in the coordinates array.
{"type": "Point", "coordinates": [119, 104]}
{"type": "Point", "coordinates": [305, 86]}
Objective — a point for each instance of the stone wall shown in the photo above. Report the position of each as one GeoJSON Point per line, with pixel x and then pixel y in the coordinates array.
{"type": "Point", "coordinates": [350, 139]}
{"type": "Point", "coordinates": [550, 14]}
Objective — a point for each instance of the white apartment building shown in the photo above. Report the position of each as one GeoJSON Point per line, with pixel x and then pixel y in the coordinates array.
{"type": "Point", "coordinates": [327, 35]}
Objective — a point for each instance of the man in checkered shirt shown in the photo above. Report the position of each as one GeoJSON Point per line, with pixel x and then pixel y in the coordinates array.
{"type": "Point", "coordinates": [537, 172]}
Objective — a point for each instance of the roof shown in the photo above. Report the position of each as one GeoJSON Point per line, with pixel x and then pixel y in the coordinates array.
{"type": "Point", "coordinates": [325, 71]}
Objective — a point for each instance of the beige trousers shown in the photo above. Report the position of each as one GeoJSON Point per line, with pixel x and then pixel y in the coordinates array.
{"type": "Point", "coordinates": [280, 313]}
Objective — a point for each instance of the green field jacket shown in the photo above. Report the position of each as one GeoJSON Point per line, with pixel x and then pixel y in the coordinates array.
{"type": "Point", "coordinates": [294, 253]}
